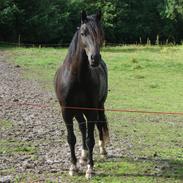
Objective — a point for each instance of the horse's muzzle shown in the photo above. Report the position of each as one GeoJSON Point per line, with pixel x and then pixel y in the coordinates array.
{"type": "Point", "coordinates": [95, 59]}
{"type": "Point", "coordinates": [94, 64]}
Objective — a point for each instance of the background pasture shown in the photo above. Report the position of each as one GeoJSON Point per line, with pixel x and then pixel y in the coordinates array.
{"type": "Point", "coordinates": [148, 147]}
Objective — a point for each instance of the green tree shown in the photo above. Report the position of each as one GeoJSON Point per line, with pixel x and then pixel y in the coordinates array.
{"type": "Point", "coordinates": [55, 21]}
{"type": "Point", "coordinates": [173, 14]}
{"type": "Point", "coordinates": [8, 16]}
{"type": "Point", "coordinates": [42, 21]}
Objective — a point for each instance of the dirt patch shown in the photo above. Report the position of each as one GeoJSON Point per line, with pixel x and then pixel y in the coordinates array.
{"type": "Point", "coordinates": [35, 140]}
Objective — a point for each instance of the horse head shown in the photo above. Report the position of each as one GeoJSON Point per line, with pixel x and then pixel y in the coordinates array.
{"type": "Point", "coordinates": [91, 37]}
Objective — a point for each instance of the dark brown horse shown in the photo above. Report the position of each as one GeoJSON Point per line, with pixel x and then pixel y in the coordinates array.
{"type": "Point", "coordinates": [82, 82]}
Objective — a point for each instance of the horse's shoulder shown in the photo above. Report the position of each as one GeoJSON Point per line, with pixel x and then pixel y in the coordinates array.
{"type": "Point", "coordinates": [103, 66]}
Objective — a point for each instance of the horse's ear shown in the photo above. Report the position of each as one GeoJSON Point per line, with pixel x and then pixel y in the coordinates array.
{"type": "Point", "coordinates": [98, 15]}
{"type": "Point", "coordinates": [83, 16]}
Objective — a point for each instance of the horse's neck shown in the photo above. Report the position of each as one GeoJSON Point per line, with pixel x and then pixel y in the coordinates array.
{"type": "Point", "coordinates": [77, 58]}
{"type": "Point", "coordinates": [79, 64]}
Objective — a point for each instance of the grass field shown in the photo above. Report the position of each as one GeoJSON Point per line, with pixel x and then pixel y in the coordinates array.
{"type": "Point", "coordinates": [140, 78]}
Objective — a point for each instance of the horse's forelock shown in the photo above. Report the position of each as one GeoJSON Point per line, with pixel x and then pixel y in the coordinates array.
{"type": "Point", "coordinates": [95, 28]}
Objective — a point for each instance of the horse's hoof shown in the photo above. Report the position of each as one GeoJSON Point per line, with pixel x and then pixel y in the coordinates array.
{"type": "Point", "coordinates": [103, 156]}
{"type": "Point", "coordinates": [73, 170]}
{"type": "Point", "coordinates": [82, 162]}
{"type": "Point", "coordinates": [72, 173]}
{"type": "Point", "coordinates": [103, 153]}
{"type": "Point", "coordinates": [89, 173]}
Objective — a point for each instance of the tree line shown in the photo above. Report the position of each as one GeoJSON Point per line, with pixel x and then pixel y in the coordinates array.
{"type": "Point", "coordinates": [124, 21]}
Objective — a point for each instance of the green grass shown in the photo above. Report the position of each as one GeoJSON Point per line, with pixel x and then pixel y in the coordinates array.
{"type": "Point", "coordinates": [39, 63]}
{"type": "Point", "coordinates": [142, 78]}
{"type": "Point", "coordinates": [13, 147]}
{"type": "Point", "coordinates": [146, 78]}
{"type": "Point", "coordinates": [4, 124]}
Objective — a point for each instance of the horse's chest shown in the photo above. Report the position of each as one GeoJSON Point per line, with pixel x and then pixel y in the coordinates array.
{"type": "Point", "coordinates": [89, 89]}
{"type": "Point", "coordinates": [82, 93]}
{"type": "Point", "coordinates": [79, 97]}
{"type": "Point", "coordinates": [101, 83]}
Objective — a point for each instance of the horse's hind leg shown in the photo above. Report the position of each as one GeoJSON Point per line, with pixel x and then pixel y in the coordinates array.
{"type": "Point", "coordinates": [82, 126]}
{"type": "Point", "coordinates": [101, 126]}
{"type": "Point", "coordinates": [71, 138]}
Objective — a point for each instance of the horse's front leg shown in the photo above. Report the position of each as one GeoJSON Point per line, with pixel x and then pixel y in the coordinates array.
{"type": "Point", "coordinates": [82, 126]}
{"type": "Point", "coordinates": [71, 138]}
{"type": "Point", "coordinates": [90, 142]}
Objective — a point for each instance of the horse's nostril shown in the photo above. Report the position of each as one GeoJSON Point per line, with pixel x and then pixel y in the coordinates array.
{"type": "Point", "coordinates": [94, 64]}
{"type": "Point", "coordinates": [92, 57]}
{"type": "Point", "coordinates": [95, 57]}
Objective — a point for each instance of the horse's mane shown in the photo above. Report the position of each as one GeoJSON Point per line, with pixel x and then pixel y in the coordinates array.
{"type": "Point", "coordinates": [73, 44]}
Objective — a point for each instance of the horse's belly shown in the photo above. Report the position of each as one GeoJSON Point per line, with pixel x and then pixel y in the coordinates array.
{"type": "Point", "coordinates": [103, 90]}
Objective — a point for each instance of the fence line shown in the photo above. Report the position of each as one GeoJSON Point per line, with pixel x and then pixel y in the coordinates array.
{"type": "Point", "coordinates": [35, 44]}
{"type": "Point", "coordinates": [19, 44]}
{"type": "Point", "coordinates": [94, 109]}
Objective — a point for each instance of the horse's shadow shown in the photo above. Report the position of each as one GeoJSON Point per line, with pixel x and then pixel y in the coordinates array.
{"type": "Point", "coordinates": [167, 168]}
